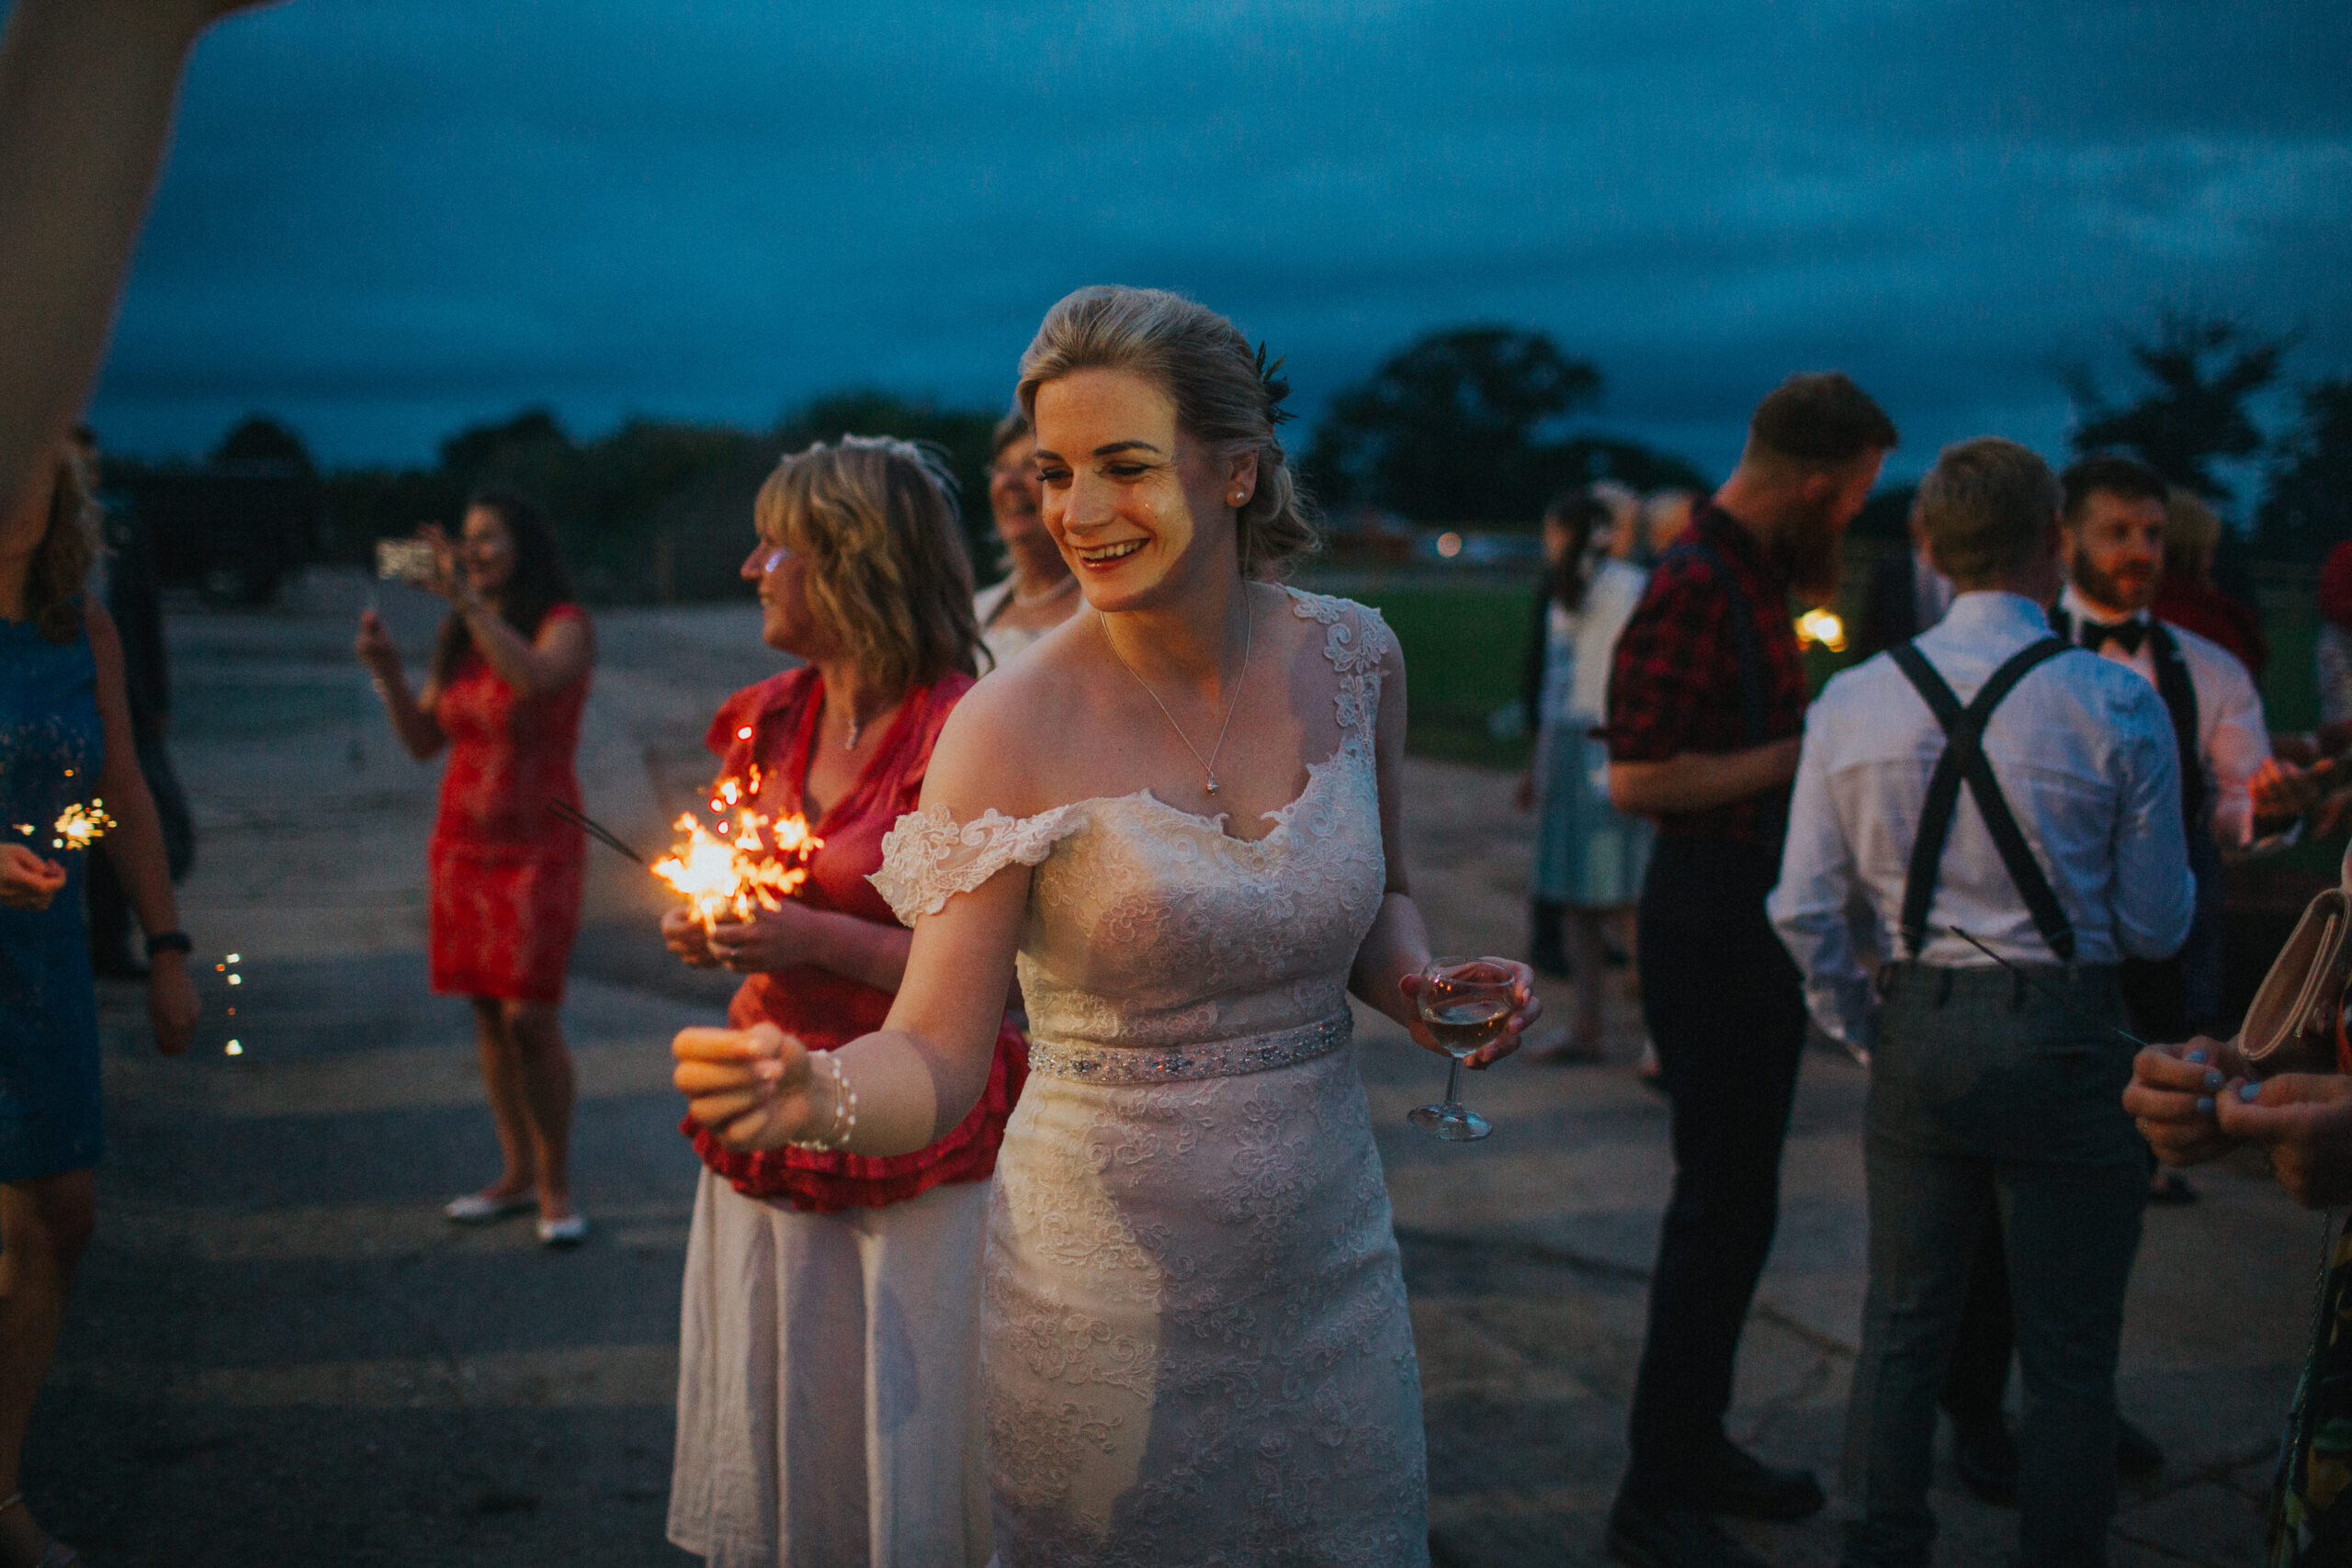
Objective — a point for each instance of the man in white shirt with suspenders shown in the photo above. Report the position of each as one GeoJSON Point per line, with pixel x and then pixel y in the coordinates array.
{"type": "Point", "coordinates": [1992, 779]}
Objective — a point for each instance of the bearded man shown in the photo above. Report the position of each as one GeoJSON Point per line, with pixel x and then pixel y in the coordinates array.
{"type": "Point", "coordinates": [1706, 705]}
{"type": "Point", "coordinates": [2237, 802]}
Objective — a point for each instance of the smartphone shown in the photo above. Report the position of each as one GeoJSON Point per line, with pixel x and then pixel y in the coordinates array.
{"type": "Point", "coordinates": [404, 560]}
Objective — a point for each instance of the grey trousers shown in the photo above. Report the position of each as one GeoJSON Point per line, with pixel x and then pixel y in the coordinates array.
{"type": "Point", "coordinates": [1991, 1104]}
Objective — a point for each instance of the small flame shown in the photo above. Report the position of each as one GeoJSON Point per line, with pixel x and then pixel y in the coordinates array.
{"type": "Point", "coordinates": [760, 862]}
{"type": "Point", "coordinates": [78, 826]}
{"type": "Point", "coordinates": [1822, 627]}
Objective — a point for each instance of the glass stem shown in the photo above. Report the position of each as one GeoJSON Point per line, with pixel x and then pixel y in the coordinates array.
{"type": "Point", "coordinates": [1452, 1075]}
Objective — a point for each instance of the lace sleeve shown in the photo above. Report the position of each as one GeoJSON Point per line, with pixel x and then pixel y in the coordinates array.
{"type": "Point", "coordinates": [927, 859]}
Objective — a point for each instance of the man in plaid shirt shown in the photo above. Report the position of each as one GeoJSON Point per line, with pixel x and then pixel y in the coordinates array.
{"type": "Point", "coordinates": [1706, 708]}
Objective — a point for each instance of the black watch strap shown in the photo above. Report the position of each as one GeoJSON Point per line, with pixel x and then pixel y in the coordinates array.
{"type": "Point", "coordinates": [169, 941]}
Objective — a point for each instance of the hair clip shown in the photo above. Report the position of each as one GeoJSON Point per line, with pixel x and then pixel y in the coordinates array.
{"type": "Point", "coordinates": [1276, 388]}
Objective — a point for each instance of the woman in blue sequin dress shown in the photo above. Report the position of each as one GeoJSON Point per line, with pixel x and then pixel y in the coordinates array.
{"type": "Point", "coordinates": [64, 740]}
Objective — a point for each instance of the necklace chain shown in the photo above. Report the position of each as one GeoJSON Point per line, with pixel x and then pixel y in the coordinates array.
{"type": "Point", "coordinates": [1209, 764]}
{"type": "Point", "coordinates": [1047, 597]}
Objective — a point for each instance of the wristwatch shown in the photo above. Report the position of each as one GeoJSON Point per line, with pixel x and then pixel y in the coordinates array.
{"type": "Point", "coordinates": [169, 941]}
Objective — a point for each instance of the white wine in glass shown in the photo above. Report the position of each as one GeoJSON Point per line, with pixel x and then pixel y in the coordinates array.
{"type": "Point", "coordinates": [1467, 1002]}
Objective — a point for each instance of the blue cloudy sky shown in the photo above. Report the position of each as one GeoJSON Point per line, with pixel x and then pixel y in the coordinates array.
{"type": "Point", "coordinates": [385, 219]}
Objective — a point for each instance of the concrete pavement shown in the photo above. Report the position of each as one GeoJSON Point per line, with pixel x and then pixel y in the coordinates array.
{"type": "Point", "coordinates": [281, 1354]}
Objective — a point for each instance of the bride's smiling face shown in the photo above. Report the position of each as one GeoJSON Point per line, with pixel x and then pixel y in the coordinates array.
{"type": "Point", "coordinates": [1137, 505]}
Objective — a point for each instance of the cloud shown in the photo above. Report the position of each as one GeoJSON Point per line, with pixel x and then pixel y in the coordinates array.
{"type": "Point", "coordinates": [385, 218]}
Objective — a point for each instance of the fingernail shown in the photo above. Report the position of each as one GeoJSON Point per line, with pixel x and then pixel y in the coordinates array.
{"type": "Point", "coordinates": [2206, 1105]}
{"type": "Point", "coordinates": [2249, 1092]}
{"type": "Point", "coordinates": [2195, 1056]}
{"type": "Point", "coordinates": [2213, 1080]}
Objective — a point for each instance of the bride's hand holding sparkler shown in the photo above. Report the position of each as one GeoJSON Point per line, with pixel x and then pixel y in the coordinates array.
{"type": "Point", "coordinates": [28, 881]}
{"type": "Point", "coordinates": [752, 1087]}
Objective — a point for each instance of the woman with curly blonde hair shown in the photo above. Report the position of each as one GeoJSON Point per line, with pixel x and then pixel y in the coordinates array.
{"type": "Point", "coordinates": [828, 1393]}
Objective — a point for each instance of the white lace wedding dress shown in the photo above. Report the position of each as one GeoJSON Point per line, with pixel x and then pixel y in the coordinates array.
{"type": "Point", "coordinates": [1195, 1346]}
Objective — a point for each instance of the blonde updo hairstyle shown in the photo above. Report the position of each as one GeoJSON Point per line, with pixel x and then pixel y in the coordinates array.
{"type": "Point", "coordinates": [1227, 397]}
{"type": "Point", "coordinates": [887, 573]}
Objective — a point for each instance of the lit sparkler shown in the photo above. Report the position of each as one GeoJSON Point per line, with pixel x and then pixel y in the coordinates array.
{"type": "Point", "coordinates": [78, 826]}
{"type": "Point", "coordinates": [752, 862]}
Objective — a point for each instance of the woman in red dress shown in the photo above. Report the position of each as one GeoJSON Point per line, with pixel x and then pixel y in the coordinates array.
{"type": "Point", "coordinates": [828, 1380]}
{"type": "Point", "coordinates": [510, 675]}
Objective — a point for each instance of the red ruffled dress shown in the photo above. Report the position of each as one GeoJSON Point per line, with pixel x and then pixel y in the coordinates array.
{"type": "Point", "coordinates": [818, 1007]}
{"type": "Point", "coordinates": [505, 872]}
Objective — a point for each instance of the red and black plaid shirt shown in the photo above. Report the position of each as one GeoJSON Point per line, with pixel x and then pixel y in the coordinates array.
{"type": "Point", "coordinates": [1674, 685]}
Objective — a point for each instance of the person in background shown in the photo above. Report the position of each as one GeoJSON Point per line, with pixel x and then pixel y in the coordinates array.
{"type": "Point", "coordinates": [1992, 1106]}
{"type": "Point", "coordinates": [1906, 594]}
{"type": "Point", "coordinates": [508, 681]}
{"type": "Point", "coordinates": [1706, 699]}
{"type": "Point", "coordinates": [1665, 516]}
{"type": "Point", "coordinates": [1589, 857]}
{"type": "Point", "coordinates": [830, 1413]}
{"type": "Point", "coordinates": [135, 599]}
{"type": "Point", "coordinates": [2332, 654]}
{"type": "Point", "coordinates": [1038, 593]}
{"type": "Point", "coordinates": [2186, 594]}
{"type": "Point", "coordinates": [64, 740]}
{"type": "Point", "coordinates": [2236, 802]}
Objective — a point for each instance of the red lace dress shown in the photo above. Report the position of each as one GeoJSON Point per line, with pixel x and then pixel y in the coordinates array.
{"type": "Point", "coordinates": [818, 1007]}
{"type": "Point", "coordinates": [505, 871]}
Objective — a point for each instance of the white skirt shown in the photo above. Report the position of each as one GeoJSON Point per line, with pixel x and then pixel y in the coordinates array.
{"type": "Point", "coordinates": [829, 1383]}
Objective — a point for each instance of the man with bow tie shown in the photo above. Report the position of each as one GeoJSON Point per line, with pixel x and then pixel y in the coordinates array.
{"type": "Point", "coordinates": [2237, 801]}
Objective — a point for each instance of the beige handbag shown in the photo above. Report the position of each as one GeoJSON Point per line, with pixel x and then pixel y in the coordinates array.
{"type": "Point", "coordinates": [2296, 1023]}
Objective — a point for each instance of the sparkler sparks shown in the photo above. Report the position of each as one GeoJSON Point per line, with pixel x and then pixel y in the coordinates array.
{"type": "Point", "coordinates": [755, 861]}
{"type": "Point", "coordinates": [78, 826]}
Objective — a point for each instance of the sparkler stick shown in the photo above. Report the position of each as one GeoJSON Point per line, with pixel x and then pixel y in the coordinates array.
{"type": "Point", "coordinates": [593, 829]}
{"type": "Point", "coordinates": [2082, 1012]}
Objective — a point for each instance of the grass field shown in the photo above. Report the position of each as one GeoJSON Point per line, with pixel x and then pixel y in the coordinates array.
{"type": "Point", "coordinates": [1462, 646]}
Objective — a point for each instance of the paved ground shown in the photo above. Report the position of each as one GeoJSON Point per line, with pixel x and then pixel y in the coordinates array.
{"type": "Point", "coordinates": [280, 1355]}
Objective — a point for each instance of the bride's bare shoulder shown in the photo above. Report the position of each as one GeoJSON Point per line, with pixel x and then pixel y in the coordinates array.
{"type": "Point", "coordinates": [998, 747]}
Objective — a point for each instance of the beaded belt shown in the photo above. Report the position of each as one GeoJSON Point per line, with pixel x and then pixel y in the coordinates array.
{"type": "Point", "coordinates": [1210, 1059]}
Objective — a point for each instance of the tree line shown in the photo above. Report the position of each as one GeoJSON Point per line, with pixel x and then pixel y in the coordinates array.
{"type": "Point", "coordinates": [1479, 423]}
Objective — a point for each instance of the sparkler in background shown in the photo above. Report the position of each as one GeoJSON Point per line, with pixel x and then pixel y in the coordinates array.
{"type": "Point", "coordinates": [755, 861]}
{"type": "Point", "coordinates": [76, 828]}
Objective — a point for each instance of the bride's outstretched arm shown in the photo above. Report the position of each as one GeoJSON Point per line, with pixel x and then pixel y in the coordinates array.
{"type": "Point", "coordinates": [907, 1084]}
{"type": "Point", "coordinates": [1387, 965]}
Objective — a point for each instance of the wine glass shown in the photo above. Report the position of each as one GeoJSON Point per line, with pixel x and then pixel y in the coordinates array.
{"type": "Point", "coordinates": [1467, 1002]}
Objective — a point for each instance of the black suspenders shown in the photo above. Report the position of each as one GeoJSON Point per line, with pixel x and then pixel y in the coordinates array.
{"type": "Point", "coordinates": [1964, 759]}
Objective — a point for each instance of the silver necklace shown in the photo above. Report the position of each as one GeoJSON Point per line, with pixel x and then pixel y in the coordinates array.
{"type": "Point", "coordinates": [1209, 764]}
{"type": "Point", "coordinates": [1025, 600]}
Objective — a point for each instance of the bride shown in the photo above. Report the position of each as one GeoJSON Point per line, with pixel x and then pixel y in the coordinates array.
{"type": "Point", "coordinates": [1180, 809]}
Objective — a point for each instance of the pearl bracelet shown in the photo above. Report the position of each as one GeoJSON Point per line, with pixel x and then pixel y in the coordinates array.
{"type": "Point", "coordinates": [845, 1120]}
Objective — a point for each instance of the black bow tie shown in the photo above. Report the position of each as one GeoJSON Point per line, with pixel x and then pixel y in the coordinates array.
{"type": "Point", "coordinates": [2129, 635]}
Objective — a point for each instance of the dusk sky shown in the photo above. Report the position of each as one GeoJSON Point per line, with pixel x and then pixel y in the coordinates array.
{"type": "Point", "coordinates": [387, 219]}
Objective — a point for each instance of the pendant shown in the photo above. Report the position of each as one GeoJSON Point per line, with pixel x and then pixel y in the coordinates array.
{"type": "Point", "coordinates": [1211, 785]}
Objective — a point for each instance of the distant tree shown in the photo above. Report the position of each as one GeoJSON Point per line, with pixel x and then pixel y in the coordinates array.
{"type": "Point", "coordinates": [257, 439]}
{"type": "Point", "coordinates": [2204, 368]}
{"type": "Point", "coordinates": [469, 455]}
{"type": "Point", "coordinates": [1467, 424]}
{"type": "Point", "coordinates": [2306, 506]}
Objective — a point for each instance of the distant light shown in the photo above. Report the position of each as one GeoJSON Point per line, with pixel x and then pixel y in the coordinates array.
{"type": "Point", "coordinates": [1449, 544]}
{"type": "Point", "coordinates": [233, 1049]}
{"type": "Point", "coordinates": [232, 958]}
{"type": "Point", "coordinates": [1824, 628]}
{"type": "Point", "coordinates": [236, 979]}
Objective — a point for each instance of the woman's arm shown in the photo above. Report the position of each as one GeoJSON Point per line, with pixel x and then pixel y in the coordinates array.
{"type": "Point", "coordinates": [922, 1072]}
{"type": "Point", "coordinates": [558, 655]}
{"type": "Point", "coordinates": [854, 949]}
{"type": "Point", "coordinates": [86, 88]}
{"type": "Point", "coordinates": [1387, 972]}
{"type": "Point", "coordinates": [136, 843]}
{"type": "Point", "coordinates": [411, 716]}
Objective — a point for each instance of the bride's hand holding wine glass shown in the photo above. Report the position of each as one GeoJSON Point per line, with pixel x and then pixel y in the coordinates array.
{"type": "Point", "coordinates": [1526, 1008]}
{"type": "Point", "coordinates": [748, 1086]}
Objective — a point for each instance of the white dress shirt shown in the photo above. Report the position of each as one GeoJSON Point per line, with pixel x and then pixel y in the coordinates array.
{"type": "Point", "coordinates": [2233, 740]}
{"type": "Point", "coordinates": [2086, 758]}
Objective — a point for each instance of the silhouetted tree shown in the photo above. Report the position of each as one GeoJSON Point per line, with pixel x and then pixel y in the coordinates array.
{"type": "Point", "coordinates": [2307, 506]}
{"type": "Point", "coordinates": [1465, 424]}
{"type": "Point", "coordinates": [257, 439]}
{"type": "Point", "coordinates": [2204, 369]}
